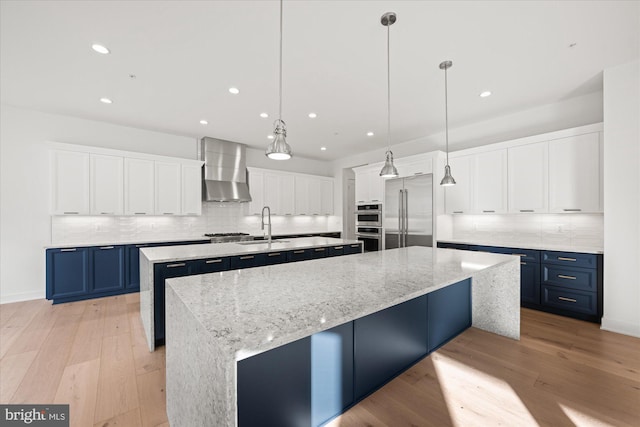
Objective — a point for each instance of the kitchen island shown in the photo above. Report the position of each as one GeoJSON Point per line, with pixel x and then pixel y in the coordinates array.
{"type": "Point", "coordinates": [159, 263]}
{"type": "Point", "coordinates": [300, 340]}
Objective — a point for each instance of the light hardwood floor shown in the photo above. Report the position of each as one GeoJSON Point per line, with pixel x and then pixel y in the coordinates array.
{"type": "Point", "coordinates": [563, 372]}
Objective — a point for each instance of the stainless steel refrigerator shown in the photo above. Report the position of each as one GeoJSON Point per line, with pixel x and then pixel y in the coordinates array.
{"type": "Point", "coordinates": [408, 208]}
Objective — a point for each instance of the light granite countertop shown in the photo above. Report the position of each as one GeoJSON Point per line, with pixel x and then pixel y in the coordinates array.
{"type": "Point", "coordinates": [187, 252]}
{"type": "Point", "coordinates": [562, 247]}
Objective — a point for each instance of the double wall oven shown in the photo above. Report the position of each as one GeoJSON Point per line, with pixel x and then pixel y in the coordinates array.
{"type": "Point", "coordinates": [369, 226]}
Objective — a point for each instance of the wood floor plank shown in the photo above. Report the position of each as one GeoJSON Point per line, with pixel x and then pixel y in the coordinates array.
{"type": "Point", "coordinates": [117, 389]}
{"type": "Point", "coordinates": [116, 321]}
{"type": "Point", "coordinates": [12, 334]}
{"type": "Point", "coordinates": [88, 341]}
{"type": "Point", "coordinates": [145, 360]}
{"type": "Point", "coordinates": [78, 388]}
{"type": "Point", "coordinates": [128, 419]}
{"type": "Point", "coordinates": [12, 371]}
{"type": "Point", "coordinates": [151, 390]}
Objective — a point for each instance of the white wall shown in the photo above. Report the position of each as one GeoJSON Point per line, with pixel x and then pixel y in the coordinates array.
{"type": "Point", "coordinates": [25, 223]}
{"type": "Point", "coordinates": [622, 199]}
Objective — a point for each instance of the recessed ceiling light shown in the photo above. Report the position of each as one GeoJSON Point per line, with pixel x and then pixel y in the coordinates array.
{"type": "Point", "coordinates": [264, 115]}
{"type": "Point", "coordinates": [234, 90]}
{"type": "Point", "coordinates": [100, 49]}
{"type": "Point", "coordinates": [270, 136]}
{"type": "Point", "coordinates": [369, 133]}
{"type": "Point", "coordinates": [323, 148]}
{"type": "Point", "coordinates": [106, 101]}
{"type": "Point", "coordinates": [312, 115]}
{"type": "Point", "coordinates": [485, 94]}
{"type": "Point", "coordinates": [204, 122]}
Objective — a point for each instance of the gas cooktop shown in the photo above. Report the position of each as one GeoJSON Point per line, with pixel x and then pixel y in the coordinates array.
{"type": "Point", "coordinates": [228, 237]}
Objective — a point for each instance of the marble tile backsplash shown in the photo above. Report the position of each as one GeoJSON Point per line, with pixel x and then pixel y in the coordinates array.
{"type": "Point", "coordinates": [573, 229]}
{"type": "Point", "coordinates": [215, 218]}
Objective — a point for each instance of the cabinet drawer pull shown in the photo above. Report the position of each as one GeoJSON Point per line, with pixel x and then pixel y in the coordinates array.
{"type": "Point", "coordinates": [180, 264]}
{"type": "Point", "coordinates": [319, 249]}
{"type": "Point", "coordinates": [139, 213]}
{"type": "Point", "coordinates": [191, 213]}
{"type": "Point", "coordinates": [521, 255]}
{"type": "Point", "coordinates": [141, 246]}
{"type": "Point", "coordinates": [526, 210]}
{"type": "Point", "coordinates": [106, 213]}
{"type": "Point", "coordinates": [458, 211]}
{"type": "Point", "coordinates": [274, 254]}
{"type": "Point", "coordinates": [106, 247]}
{"type": "Point", "coordinates": [567, 299]}
{"type": "Point", "coordinates": [562, 276]}
{"type": "Point", "coordinates": [418, 173]}
{"type": "Point", "coordinates": [338, 247]}
{"type": "Point", "coordinates": [213, 261]}
{"type": "Point", "coordinates": [167, 213]}
{"type": "Point", "coordinates": [247, 257]}
{"type": "Point", "coordinates": [68, 250]}
{"type": "Point", "coordinates": [71, 213]}
{"type": "Point", "coordinates": [488, 211]}
{"type": "Point", "coordinates": [572, 210]}
{"type": "Point", "coordinates": [375, 200]}
{"type": "Point", "coordinates": [561, 258]}
{"type": "Point", "coordinates": [523, 263]}
{"type": "Point", "coordinates": [355, 246]}
{"type": "Point", "coordinates": [298, 252]}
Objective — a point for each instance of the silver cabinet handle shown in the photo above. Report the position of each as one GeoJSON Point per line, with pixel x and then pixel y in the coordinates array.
{"type": "Point", "coordinates": [572, 210]}
{"type": "Point", "coordinates": [71, 213]}
{"type": "Point", "coordinates": [274, 254]}
{"type": "Point", "coordinates": [298, 252]}
{"type": "Point", "coordinates": [319, 249]}
{"type": "Point", "coordinates": [567, 299]}
{"type": "Point", "coordinates": [106, 213]}
{"type": "Point", "coordinates": [338, 247]}
{"type": "Point", "coordinates": [488, 211]}
{"type": "Point", "coordinates": [167, 213]}
{"type": "Point", "coordinates": [191, 213]}
{"type": "Point", "coordinates": [526, 210]}
{"type": "Point", "coordinates": [562, 276]}
{"type": "Point", "coordinates": [247, 257]}
{"type": "Point", "coordinates": [375, 200]}
{"type": "Point", "coordinates": [213, 261]}
{"type": "Point", "coordinates": [106, 247]}
{"type": "Point", "coordinates": [180, 264]}
{"type": "Point", "coordinates": [139, 213]}
{"type": "Point", "coordinates": [458, 211]}
{"type": "Point", "coordinates": [418, 173]}
{"type": "Point", "coordinates": [561, 258]}
{"type": "Point", "coordinates": [523, 263]}
{"type": "Point", "coordinates": [519, 255]}
{"type": "Point", "coordinates": [141, 246]}
{"type": "Point", "coordinates": [355, 246]}
{"type": "Point", "coordinates": [68, 250]}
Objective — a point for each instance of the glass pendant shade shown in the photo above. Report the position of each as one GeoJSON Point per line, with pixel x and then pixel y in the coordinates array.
{"type": "Point", "coordinates": [389, 170]}
{"type": "Point", "coordinates": [448, 180]}
{"type": "Point", "coordinates": [278, 149]}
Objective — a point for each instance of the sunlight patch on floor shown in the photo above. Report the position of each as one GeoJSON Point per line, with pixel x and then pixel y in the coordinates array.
{"type": "Point", "coordinates": [579, 418]}
{"type": "Point", "coordinates": [462, 385]}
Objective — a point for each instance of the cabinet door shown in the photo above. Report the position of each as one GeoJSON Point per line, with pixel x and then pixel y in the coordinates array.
{"type": "Point", "coordinates": [286, 195]}
{"type": "Point", "coordinates": [529, 282]}
{"type": "Point", "coordinates": [138, 187]}
{"type": "Point", "coordinates": [106, 267]}
{"type": "Point", "coordinates": [315, 196]}
{"type": "Point", "coordinates": [490, 179]}
{"type": "Point", "coordinates": [132, 259]}
{"type": "Point", "coordinates": [326, 199]}
{"type": "Point", "coordinates": [272, 192]}
{"type": "Point", "coordinates": [107, 185]}
{"type": "Point", "coordinates": [69, 183]}
{"type": "Point", "coordinates": [67, 272]}
{"type": "Point", "coordinates": [376, 185]}
{"type": "Point", "coordinates": [167, 188]}
{"type": "Point", "coordinates": [448, 312]}
{"type": "Point", "coordinates": [574, 174]}
{"type": "Point", "coordinates": [528, 173]}
{"type": "Point", "coordinates": [256, 188]}
{"type": "Point", "coordinates": [191, 190]}
{"type": "Point", "coordinates": [302, 195]}
{"type": "Point", "coordinates": [458, 197]}
{"type": "Point", "coordinates": [362, 186]}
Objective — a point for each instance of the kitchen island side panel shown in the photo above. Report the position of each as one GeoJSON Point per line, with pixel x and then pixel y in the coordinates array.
{"type": "Point", "coordinates": [146, 299]}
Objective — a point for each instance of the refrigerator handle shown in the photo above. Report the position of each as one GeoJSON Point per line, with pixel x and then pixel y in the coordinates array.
{"type": "Point", "coordinates": [406, 216]}
{"type": "Point", "coordinates": [400, 220]}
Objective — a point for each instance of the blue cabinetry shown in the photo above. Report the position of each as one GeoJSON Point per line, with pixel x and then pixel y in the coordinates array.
{"type": "Point", "coordinates": [106, 268]}
{"type": "Point", "coordinates": [448, 313]}
{"type": "Point", "coordinates": [300, 255]}
{"type": "Point", "coordinates": [67, 273]}
{"type": "Point", "coordinates": [319, 253]}
{"type": "Point", "coordinates": [247, 261]}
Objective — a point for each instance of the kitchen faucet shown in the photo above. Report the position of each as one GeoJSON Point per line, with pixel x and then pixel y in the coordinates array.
{"type": "Point", "coordinates": [262, 221]}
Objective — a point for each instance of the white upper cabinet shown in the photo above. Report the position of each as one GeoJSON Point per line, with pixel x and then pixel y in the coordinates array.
{"type": "Point", "coordinates": [256, 189]}
{"type": "Point", "coordinates": [107, 185]}
{"type": "Point", "coordinates": [369, 185]}
{"type": "Point", "coordinates": [458, 197]}
{"type": "Point", "coordinates": [528, 177]}
{"type": "Point", "coordinates": [69, 183]}
{"type": "Point", "coordinates": [272, 192]}
{"type": "Point", "coordinates": [490, 182]}
{"type": "Point", "coordinates": [191, 190]}
{"type": "Point", "coordinates": [315, 198]}
{"type": "Point", "coordinates": [326, 197]}
{"type": "Point", "coordinates": [139, 186]}
{"type": "Point", "coordinates": [168, 198]}
{"type": "Point", "coordinates": [286, 196]}
{"type": "Point", "coordinates": [301, 189]}
{"type": "Point", "coordinates": [574, 174]}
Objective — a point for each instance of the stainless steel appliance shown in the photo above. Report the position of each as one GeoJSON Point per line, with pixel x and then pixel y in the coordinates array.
{"type": "Point", "coordinates": [371, 238]}
{"type": "Point", "coordinates": [408, 211]}
{"type": "Point", "coordinates": [225, 172]}
{"type": "Point", "coordinates": [228, 237]}
{"type": "Point", "coordinates": [369, 215]}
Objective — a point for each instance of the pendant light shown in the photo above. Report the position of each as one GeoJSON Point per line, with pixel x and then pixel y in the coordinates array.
{"type": "Point", "coordinates": [278, 149]}
{"type": "Point", "coordinates": [388, 170]}
{"type": "Point", "coordinates": [448, 180]}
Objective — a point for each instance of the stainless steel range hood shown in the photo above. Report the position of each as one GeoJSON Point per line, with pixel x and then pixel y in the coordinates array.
{"type": "Point", "coordinates": [225, 171]}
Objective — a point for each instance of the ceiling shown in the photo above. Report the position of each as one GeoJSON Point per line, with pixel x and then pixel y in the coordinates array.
{"type": "Point", "coordinates": [185, 55]}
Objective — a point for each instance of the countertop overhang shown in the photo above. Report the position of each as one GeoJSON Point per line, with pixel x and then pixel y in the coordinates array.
{"type": "Point", "coordinates": [541, 246]}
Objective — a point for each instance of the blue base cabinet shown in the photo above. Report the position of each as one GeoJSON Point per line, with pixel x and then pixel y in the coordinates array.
{"type": "Point", "coordinates": [67, 273]}
{"type": "Point", "coordinates": [107, 268]}
{"type": "Point", "coordinates": [310, 381]}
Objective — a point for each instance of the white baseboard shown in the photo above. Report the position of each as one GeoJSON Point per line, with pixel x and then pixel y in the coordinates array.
{"type": "Point", "coordinates": [620, 326]}
{"type": "Point", "coordinates": [23, 296]}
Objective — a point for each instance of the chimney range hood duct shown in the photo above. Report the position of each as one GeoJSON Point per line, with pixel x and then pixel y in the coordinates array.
{"type": "Point", "coordinates": [225, 171]}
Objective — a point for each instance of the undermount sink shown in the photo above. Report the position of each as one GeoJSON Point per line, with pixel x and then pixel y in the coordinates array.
{"type": "Point", "coordinates": [262, 242]}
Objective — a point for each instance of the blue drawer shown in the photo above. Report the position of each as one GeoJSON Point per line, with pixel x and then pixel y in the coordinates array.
{"type": "Point", "coordinates": [354, 248]}
{"type": "Point", "coordinates": [275, 258]}
{"type": "Point", "coordinates": [569, 299]}
{"type": "Point", "coordinates": [459, 246]}
{"type": "Point", "coordinates": [528, 255]}
{"type": "Point", "coordinates": [300, 255]}
{"type": "Point", "coordinates": [570, 258]}
{"type": "Point", "coordinates": [584, 279]}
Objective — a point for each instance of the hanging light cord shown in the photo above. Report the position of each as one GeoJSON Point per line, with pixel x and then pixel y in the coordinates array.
{"type": "Point", "coordinates": [280, 89]}
{"type": "Point", "coordinates": [388, 92]}
{"type": "Point", "coordinates": [446, 113]}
